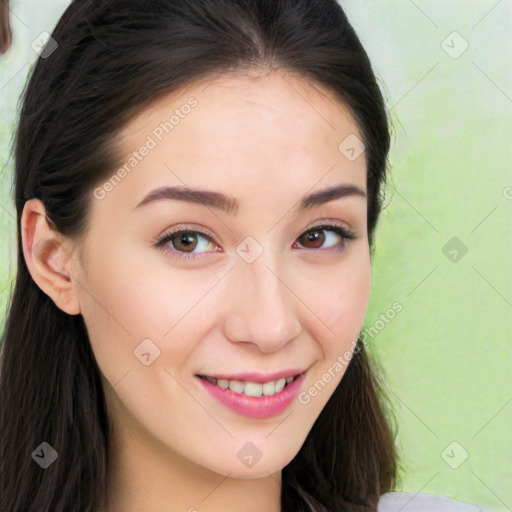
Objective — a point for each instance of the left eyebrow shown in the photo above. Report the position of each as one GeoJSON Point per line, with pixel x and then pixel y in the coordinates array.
{"type": "Point", "coordinates": [329, 194]}
{"type": "Point", "coordinates": [231, 205]}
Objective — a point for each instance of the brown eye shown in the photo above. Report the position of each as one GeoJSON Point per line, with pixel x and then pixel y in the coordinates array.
{"type": "Point", "coordinates": [190, 244]}
{"type": "Point", "coordinates": [184, 241]}
{"type": "Point", "coordinates": [314, 237]}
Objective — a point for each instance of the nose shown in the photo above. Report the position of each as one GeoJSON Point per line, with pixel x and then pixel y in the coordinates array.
{"type": "Point", "coordinates": [261, 309]}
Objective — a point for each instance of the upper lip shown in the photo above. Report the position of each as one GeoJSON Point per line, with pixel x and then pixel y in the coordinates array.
{"type": "Point", "coordinates": [259, 377]}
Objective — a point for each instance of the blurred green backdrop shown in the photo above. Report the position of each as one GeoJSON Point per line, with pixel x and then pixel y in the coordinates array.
{"type": "Point", "coordinates": [444, 242]}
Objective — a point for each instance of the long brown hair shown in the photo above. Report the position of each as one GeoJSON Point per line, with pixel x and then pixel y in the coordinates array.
{"type": "Point", "coordinates": [112, 58]}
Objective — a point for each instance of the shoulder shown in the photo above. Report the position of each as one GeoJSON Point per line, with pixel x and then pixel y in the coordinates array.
{"type": "Point", "coordinates": [423, 502]}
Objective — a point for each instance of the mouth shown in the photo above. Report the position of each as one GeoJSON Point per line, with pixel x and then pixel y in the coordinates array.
{"type": "Point", "coordinates": [255, 386]}
{"type": "Point", "coordinates": [254, 395]}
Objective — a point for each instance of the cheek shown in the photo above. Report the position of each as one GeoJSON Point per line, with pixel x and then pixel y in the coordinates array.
{"type": "Point", "coordinates": [122, 303]}
{"type": "Point", "coordinates": [137, 300]}
{"type": "Point", "coordinates": [134, 302]}
{"type": "Point", "coordinates": [340, 302]}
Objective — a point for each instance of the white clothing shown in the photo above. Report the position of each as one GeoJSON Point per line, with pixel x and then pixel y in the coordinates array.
{"type": "Point", "coordinates": [423, 502]}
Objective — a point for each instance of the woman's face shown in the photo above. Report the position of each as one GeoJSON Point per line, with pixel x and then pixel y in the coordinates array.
{"type": "Point", "coordinates": [258, 295]}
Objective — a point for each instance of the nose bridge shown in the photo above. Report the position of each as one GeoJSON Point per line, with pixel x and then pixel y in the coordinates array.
{"type": "Point", "coordinates": [264, 309]}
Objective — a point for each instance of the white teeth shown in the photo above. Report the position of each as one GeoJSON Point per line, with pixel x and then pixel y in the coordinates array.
{"type": "Point", "coordinates": [255, 389]}
{"type": "Point", "coordinates": [236, 386]}
{"type": "Point", "coordinates": [269, 389]}
{"type": "Point", "coordinates": [223, 383]}
{"type": "Point", "coordinates": [280, 385]}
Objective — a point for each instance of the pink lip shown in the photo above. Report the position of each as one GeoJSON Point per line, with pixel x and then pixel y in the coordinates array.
{"type": "Point", "coordinates": [259, 377]}
{"type": "Point", "coordinates": [256, 407]}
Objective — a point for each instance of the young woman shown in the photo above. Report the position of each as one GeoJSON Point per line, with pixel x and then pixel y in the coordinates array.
{"type": "Point", "coordinates": [197, 187]}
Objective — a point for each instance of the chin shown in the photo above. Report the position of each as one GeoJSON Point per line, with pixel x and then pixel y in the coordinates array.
{"type": "Point", "coordinates": [261, 469]}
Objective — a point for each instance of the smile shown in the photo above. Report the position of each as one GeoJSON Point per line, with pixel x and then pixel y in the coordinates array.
{"type": "Point", "coordinates": [252, 388]}
{"type": "Point", "coordinates": [256, 400]}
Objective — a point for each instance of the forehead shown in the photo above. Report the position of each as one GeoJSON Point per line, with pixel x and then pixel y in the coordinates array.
{"type": "Point", "coordinates": [282, 109]}
{"type": "Point", "coordinates": [252, 133]}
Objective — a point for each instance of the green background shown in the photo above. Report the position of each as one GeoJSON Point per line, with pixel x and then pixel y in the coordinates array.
{"type": "Point", "coordinates": [447, 355]}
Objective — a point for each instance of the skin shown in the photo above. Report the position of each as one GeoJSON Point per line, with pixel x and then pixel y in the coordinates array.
{"type": "Point", "coordinates": [267, 140]}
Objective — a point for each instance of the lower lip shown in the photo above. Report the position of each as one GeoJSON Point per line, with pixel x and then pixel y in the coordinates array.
{"type": "Point", "coordinates": [252, 406]}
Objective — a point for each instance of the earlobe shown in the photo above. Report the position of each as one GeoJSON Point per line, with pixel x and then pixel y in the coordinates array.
{"type": "Point", "coordinates": [47, 257]}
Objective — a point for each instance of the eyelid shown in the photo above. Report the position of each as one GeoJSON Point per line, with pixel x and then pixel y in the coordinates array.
{"type": "Point", "coordinates": [346, 234]}
{"type": "Point", "coordinates": [327, 221]}
{"type": "Point", "coordinates": [186, 228]}
{"type": "Point", "coordinates": [205, 232]}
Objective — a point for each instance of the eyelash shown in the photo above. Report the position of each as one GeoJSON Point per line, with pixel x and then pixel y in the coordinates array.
{"type": "Point", "coordinates": [345, 234]}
